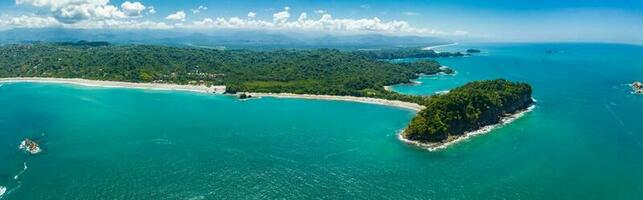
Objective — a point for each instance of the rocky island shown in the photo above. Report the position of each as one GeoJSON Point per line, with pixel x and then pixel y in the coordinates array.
{"type": "Point", "coordinates": [637, 87]}
{"type": "Point", "coordinates": [465, 109]}
{"type": "Point", "coordinates": [30, 146]}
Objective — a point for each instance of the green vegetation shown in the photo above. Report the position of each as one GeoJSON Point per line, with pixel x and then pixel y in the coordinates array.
{"type": "Point", "coordinates": [322, 71]}
{"type": "Point", "coordinates": [467, 108]}
{"type": "Point", "coordinates": [406, 53]}
{"type": "Point", "coordinates": [84, 43]}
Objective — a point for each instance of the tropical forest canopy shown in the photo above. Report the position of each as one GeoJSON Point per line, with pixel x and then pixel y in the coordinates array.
{"type": "Point", "coordinates": [320, 71]}
{"type": "Point", "coordinates": [467, 108]}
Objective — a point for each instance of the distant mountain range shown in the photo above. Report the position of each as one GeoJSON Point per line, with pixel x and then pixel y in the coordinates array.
{"type": "Point", "coordinates": [220, 39]}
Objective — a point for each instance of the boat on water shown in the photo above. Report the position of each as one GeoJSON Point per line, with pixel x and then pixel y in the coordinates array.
{"type": "Point", "coordinates": [30, 146]}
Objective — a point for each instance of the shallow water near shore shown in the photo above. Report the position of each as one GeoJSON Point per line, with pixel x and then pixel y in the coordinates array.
{"type": "Point", "coordinates": [584, 139]}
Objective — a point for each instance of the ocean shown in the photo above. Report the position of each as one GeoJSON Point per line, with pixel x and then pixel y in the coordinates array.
{"type": "Point", "coordinates": [584, 140]}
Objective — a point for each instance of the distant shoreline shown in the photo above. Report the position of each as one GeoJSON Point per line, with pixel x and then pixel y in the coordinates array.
{"type": "Point", "coordinates": [433, 146]}
{"type": "Point", "coordinates": [213, 89]}
{"type": "Point", "coordinates": [438, 46]}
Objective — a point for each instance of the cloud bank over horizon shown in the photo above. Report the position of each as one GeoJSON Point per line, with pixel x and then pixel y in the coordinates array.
{"type": "Point", "coordinates": [464, 20]}
{"type": "Point", "coordinates": [101, 14]}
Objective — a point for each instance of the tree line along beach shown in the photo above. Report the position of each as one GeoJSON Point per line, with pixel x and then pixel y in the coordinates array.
{"type": "Point", "coordinates": [359, 76]}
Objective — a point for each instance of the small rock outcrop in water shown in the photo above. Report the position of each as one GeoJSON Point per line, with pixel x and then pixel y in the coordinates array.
{"type": "Point", "coordinates": [637, 87]}
{"type": "Point", "coordinates": [473, 51]}
{"type": "Point", "coordinates": [30, 146]}
{"type": "Point", "coordinates": [244, 96]}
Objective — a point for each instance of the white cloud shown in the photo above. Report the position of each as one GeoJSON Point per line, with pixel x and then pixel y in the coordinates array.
{"type": "Point", "coordinates": [73, 11]}
{"type": "Point", "coordinates": [151, 10]}
{"type": "Point", "coordinates": [199, 9]}
{"type": "Point", "coordinates": [78, 12]}
{"type": "Point", "coordinates": [132, 9]}
{"type": "Point", "coordinates": [25, 21]}
{"type": "Point", "coordinates": [281, 17]}
{"type": "Point", "coordinates": [178, 16]}
{"type": "Point", "coordinates": [325, 23]}
{"type": "Point", "coordinates": [120, 24]}
{"type": "Point", "coordinates": [302, 17]}
{"type": "Point", "coordinates": [100, 14]}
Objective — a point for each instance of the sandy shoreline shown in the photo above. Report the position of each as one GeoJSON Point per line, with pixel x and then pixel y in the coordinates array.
{"type": "Point", "coordinates": [206, 89]}
{"type": "Point", "coordinates": [438, 46]}
{"type": "Point", "coordinates": [486, 129]}
{"type": "Point", "coordinates": [117, 84]}
{"type": "Point", "coordinates": [221, 89]}
{"type": "Point", "coordinates": [400, 104]}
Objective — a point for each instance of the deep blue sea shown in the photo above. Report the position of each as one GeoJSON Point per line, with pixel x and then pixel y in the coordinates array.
{"type": "Point", "coordinates": [584, 140]}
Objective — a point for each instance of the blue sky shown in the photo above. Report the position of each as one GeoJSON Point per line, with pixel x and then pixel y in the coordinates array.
{"type": "Point", "coordinates": [500, 20]}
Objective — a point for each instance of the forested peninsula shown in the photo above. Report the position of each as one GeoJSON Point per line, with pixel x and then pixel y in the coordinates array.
{"type": "Point", "coordinates": [316, 72]}
{"type": "Point", "coordinates": [407, 53]}
{"type": "Point", "coordinates": [468, 108]}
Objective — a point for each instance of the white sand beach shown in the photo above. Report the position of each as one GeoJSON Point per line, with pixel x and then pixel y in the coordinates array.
{"type": "Point", "coordinates": [206, 89]}
{"type": "Point", "coordinates": [400, 104]}
{"type": "Point", "coordinates": [117, 84]}
{"type": "Point", "coordinates": [438, 46]}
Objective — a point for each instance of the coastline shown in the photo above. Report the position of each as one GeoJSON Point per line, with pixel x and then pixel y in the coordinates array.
{"type": "Point", "coordinates": [434, 146]}
{"type": "Point", "coordinates": [417, 82]}
{"type": "Point", "coordinates": [118, 84]}
{"type": "Point", "coordinates": [400, 104]}
{"type": "Point", "coordinates": [205, 89]}
{"type": "Point", "coordinates": [438, 46]}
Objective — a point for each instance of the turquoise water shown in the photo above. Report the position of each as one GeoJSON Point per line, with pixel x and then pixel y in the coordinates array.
{"type": "Point", "coordinates": [583, 141]}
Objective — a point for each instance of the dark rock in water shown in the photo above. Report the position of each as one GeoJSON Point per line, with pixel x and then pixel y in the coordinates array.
{"type": "Point", "coordinates": [549, 51]}
{"type": "Point", "coordinates": [637, 87]}
{"type": "Point", "coordinates": [473, 51]}
{"type": "Point", "coordinates": [244, 96]}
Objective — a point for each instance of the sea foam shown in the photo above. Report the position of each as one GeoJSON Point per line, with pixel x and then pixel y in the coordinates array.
{"type": "Point", "coordinates": [2, 191]}
{"type": "Point", "coordinates": [21, 172]}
